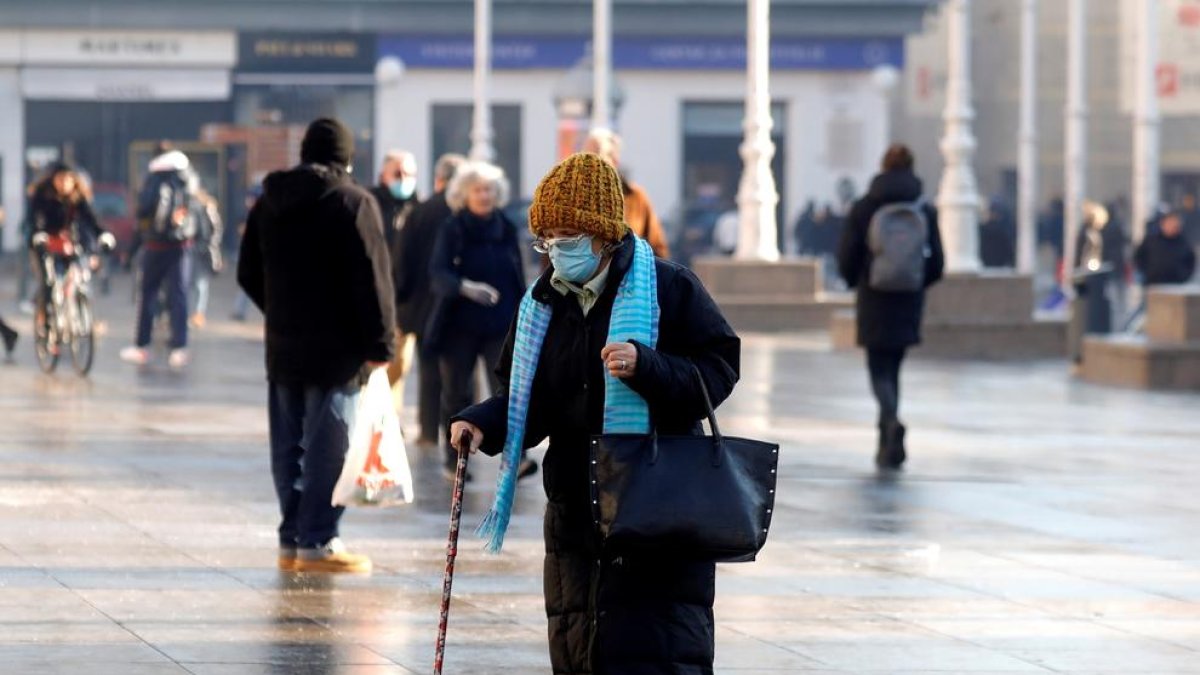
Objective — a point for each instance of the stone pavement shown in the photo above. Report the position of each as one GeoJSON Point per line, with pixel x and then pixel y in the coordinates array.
{"type": "Point", "coordinates": [1044, 526]}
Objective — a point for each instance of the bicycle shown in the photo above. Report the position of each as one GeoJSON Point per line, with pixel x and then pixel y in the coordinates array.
{"type": "Point", "coordinates": [65, 317]}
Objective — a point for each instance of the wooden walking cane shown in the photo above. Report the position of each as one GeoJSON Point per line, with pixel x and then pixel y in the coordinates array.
{"type": "Point", "coordinates": [464, 451]}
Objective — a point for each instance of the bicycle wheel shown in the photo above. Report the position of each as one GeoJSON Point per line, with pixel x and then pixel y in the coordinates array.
{"type": "Point", "coordinates": [45, 343]}
{"type": "Point", "coordinates": [83, 338]}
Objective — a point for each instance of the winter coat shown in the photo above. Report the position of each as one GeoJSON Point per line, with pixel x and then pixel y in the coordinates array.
{"type": "Point", "coordinates": [395, 212]}
{"type": "Point", "coordinates": [887, 320]}
{"type": "Point", "coordinates": [210, 232]}
{"type": "Point", "coordinates": [641, 218]}
{"type": "Point", "coordinates": [170, 172]}
{"type": "Point", "coordinates": [314, 260]}
{"type": "Point", "coordinates": [1165, 260]}
{"type": "Point", "coordinates": [411, 255]}
{"type": "Point", "coordinates": [478, 249]}
{"type": "Point", "coordinates": [648, 615]}
{"type": "Point", "coordinates": [54, 215]}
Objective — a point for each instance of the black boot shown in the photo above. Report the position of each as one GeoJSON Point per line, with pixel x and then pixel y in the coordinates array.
{"type": "Point", "coordinates": [891, 454]}
{"type": "Point", "coordinates": [10, 339]}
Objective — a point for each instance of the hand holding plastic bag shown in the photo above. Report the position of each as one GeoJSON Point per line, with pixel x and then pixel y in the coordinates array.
{"type": "Point", "coordinates": [376, 471]}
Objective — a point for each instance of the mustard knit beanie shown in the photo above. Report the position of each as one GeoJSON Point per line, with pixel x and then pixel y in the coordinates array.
{"type": "Point", "coordinates": [582, 192]}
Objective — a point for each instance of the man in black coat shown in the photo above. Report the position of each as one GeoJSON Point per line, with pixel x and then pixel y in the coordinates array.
{"type": "Point", "coordinates": [411, 254]}
{"type": "Point", "coordinates": [314, 261]}
{"type": "Point", "coordinates": [1165, 255]}
{"type": "Point", "coordinates": [889, 322]}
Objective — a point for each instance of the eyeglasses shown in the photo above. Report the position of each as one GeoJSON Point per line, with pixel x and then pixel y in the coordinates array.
{"type": "Point", "coordinates": [562, 243]}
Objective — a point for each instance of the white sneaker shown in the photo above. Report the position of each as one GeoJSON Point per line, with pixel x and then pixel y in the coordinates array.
{"type": "Point", "coordinates": [135, 355]}
{"type": "Point", "coordinates": [178, 358]}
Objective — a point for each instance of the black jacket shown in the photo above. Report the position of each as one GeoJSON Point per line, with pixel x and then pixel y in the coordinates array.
{"type": "Point", "coordinates": [651, 616]}
{"type": "Point", "coordinates": [411, 255]}
{"type": "Point", "coordinates": [1165, 260]}
{"type": "Point", "coordinates": [483, 250]}
{"type": "Point", "coordinates": [54, 215]}
{"type": "Point", "coordinates": [394, 212]}
{"type": "Point", "coordinates": [887, 320]}
{"type": "Point", "coordinates": [314, 260]}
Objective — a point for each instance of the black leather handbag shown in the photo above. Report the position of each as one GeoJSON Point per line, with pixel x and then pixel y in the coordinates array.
{"type": "Point", "coordinates": [693, 497]}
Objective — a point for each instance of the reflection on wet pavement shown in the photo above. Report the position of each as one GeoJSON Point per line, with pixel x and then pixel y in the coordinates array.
{"type": "Point", "coordinates": [1043, 526]}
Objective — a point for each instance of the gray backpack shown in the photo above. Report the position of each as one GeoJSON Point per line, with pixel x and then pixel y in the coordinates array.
{"type": "Point", "coordinates": [898, 238]}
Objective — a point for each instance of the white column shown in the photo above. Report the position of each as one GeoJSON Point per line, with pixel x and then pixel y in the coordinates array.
{"type": "Point", "coordinates": [1147, 119]}
{"type": "Point", "coordinates": [390, 108]}
{"type": "Point", "coordinates": [1076, 146]}
{"type": "Point", "coordinates": [601, 64]}
{"type": "Point", "coordinates": [12, 152]}
{"type": "Point", "coordinates": [1027, 139]}
{"type": "Point", "coordinates": [756, 195]}
{"type": "Point", "coordinates": [481, 127]}
{"type": "Point", "coordinates": [958, 198]}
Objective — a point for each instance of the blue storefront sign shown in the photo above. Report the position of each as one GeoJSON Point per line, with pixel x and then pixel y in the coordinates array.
{"type": "Point", "coordinates": [651, 53]}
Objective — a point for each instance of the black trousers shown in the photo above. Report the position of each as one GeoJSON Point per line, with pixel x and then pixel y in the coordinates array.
{"type": "Point", "coordinates": [459, 353]}
{"type": "Point", "coordinates": [429, 394]}
{"type": "Point", "coordinates": [884, 368]}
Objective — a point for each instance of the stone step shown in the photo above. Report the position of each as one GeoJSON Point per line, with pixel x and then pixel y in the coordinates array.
{"type": "Point", "coordinates": [784, 279]}
{"type": "Point", "coordinates": [996, 340]}
{"type": "Point", "coordinates": [1141, 363]}
{"type": "Point", "coordinates": [981, 298]}
{"type": "Point", "coordinates": [1173, 314]}
{"type": "Point", "coordinates": [775, 315]}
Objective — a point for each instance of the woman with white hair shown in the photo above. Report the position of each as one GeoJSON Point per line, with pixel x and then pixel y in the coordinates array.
{"type": "Point", "coordinates": [478, 278]}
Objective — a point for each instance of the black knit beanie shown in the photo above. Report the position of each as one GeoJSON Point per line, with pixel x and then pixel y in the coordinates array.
{"type": "Point", "coordinates": [327, 142]}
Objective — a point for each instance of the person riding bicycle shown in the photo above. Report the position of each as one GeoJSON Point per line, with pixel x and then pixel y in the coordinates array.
{"type": "Point", "coordinates": [64, 226]}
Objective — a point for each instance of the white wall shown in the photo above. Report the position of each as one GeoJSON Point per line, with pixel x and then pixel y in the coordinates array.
{"type": "Point", "coordinates": [651, 124]}
{"type": "Point", "coordinates": [12, 144]}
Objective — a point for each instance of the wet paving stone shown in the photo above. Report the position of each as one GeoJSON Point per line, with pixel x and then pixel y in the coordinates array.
{"type": "Point", "coordinates": [1042, 526]}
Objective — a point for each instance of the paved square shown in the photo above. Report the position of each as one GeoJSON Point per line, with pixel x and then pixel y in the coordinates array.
{"type": "Point", "coordinates": [1044, 526]}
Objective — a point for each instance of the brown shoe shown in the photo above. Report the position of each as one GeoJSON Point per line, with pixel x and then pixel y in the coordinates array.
{"type": "Point", "coordinates": [287, 559]}
{"type": "Point", "coordinates": [332, 558]}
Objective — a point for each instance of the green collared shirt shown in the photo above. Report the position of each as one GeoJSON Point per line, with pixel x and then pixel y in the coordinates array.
{"type": "Point", "coordinates": [588, 293]}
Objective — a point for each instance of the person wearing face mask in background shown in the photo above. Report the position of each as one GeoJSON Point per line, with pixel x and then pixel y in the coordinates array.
{"type": "Point", "coordinates": [478, 277]}
{"type": "Point", "coordinates": [396, 194]}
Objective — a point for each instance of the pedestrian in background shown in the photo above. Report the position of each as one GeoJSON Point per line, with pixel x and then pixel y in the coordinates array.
{"type": "Point", "coordinates": [478, 276]}
{"type": "Point", "coordinates": [606, 614]}
{"type": "Point", "coordinates": [166, 227]}
{"type": "Point", "coordinates": [639, 212]}
{"type": "Point", "coordinates": [396, 194]}
{"type": "Point", "coordinates": [315, 262]}
{"type": "Point", "coordinates": [411, 255]}
{"type": "Point", "coordinates": [889, 322]}
{"type": "Point", "coordinates": [1166, 256]}
{"type": "Point", "coordinates": [207, 260]}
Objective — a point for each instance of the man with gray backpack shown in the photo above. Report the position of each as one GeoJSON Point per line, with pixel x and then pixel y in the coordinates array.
{"type": "Point", "coordinates": [891, 251]}
{"type": "Point", "coordinates": [166, 226]}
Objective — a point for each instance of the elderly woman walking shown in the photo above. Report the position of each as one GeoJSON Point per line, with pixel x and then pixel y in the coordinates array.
{"type": "Point", "coordinates": [608, 340]}
{"type": "Point", "coordinates": [478, 278]}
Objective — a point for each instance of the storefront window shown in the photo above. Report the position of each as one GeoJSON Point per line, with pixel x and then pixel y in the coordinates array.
{"type": "Point", "coordinates": [712, 168]}
{"type": "Point", "coordinates": [288, 105]}
{"type": "Point", "coordinates": [452, 133]}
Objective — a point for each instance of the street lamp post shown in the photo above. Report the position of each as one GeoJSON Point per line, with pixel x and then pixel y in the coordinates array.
{"type": "Point", "coordinates": [481, 126]}
{"type": "Point", "coordinates": [1076, 146]}
{"type": "Point", "coordinates": [601, 64]}
{"type": "Point", "coordinates": [757, 197]}
{"type": "Point", "coordinates": [1027, 154]}
{"type": "Point", "coordinates": [1147, 119]}
{"type": "Point", "coordinates": [958, 198]}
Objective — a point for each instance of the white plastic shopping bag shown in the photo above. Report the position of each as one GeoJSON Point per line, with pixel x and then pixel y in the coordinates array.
{"type": "Point", "coordinates": [376, 472]}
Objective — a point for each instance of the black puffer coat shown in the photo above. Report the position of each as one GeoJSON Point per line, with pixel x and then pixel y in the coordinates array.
{"type": "Point", "coordinates": [621, 616]}
{"type": "Point", "coordinates": [887, 320]}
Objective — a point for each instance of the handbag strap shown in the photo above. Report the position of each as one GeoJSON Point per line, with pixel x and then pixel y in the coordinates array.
{"type": "Point", "coordinates": [718, 439]}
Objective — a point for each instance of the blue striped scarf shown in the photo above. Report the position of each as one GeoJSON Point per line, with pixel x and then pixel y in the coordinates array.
{"type": "Point", "coordinates": [635, 316]}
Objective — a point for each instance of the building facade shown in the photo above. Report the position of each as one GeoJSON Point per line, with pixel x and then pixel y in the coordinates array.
{"type": "Point", "coordinates": [233, 82]}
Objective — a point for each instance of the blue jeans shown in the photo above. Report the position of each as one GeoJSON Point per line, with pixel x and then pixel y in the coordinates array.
{"type": "Point", "coordinates": [172, 267]}
{"type": "Point", "coordinates": [310, 430]}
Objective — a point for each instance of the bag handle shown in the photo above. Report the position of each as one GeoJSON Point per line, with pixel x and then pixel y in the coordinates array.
{"type": "Point", "coordinates": [718, 439]}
